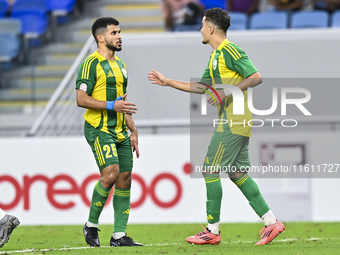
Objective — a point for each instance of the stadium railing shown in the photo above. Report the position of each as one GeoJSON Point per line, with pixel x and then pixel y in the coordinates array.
{"type": "Point", "coordinates": [58, 117]}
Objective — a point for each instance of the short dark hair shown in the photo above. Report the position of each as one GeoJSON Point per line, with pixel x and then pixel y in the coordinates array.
{"type": "Point", "coordinates": [218, 17]}
{"type": "Point", "coordinates": [100, 25]}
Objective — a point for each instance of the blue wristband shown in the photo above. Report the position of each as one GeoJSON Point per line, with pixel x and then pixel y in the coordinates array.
{"type": "Point", "coordinates": [110, 105]}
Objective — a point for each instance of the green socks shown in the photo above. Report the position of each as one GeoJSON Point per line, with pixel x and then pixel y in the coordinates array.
{"type": "Point", "coordinates": [121, 207]}
{"type": "Point", "coordinates": [248, 187]}
{"type": "Point", "coordinates": [214, 197]}
{"type": "Point", "coordinates": [252, 192]}
{"type": "Point", "coordinates": [99, 197]}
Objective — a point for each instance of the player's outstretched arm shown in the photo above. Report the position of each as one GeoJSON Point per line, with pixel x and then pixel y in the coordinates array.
{"type": "Point", "coordinates": [158, 78]}
{"type": "Point", "coordinates": [134, 134]}
{"type": "Point", "coordinates": [85, 101]}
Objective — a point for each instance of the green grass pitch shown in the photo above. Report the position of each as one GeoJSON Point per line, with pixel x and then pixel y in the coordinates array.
{"type": "Point", "coordinates": [299, 238]}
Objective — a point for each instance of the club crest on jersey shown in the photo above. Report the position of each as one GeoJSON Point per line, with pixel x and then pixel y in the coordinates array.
{"type": "Point", "coordinates": [215, 64]}
{"type": "Point", "coordinates": [124, 72]}
{"type": "Point", "coordinates": [83, 87]}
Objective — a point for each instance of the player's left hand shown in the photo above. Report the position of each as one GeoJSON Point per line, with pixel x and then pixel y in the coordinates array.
{"type": "Point", "coordinates": [134, 143]}
{"type": "Point", "coordinates": [157, 78]}
{"type": "Point", "coordinates": [222, 95]}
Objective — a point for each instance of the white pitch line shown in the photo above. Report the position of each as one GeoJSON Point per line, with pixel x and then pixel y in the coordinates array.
{"type": "Point", "coordinates": [160, 244]}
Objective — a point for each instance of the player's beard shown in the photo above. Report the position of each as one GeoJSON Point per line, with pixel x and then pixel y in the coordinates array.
{"type": "Point", "coordinates": [204, 41]}
{"type": "Point", "coordinates": [112, 47]}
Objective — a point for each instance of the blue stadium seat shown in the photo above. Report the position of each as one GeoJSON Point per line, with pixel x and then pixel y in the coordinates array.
{"type": "Point", "coordinates": [59, 10]}
{"type": "Point", "coordinates": [10, 29]}
{"type": "Point", "coordinates": [310, 19]}
{"type": "Point", "coordinates": [10, 46]}
{"type": "Point", "coordinates": [214, 3]}
{"type": "Point", "coordinates": [30, 5]}
{"type": "Point", "coordinates": [61, 5]}
{"type": "Point", "coordinates": [270, 20]}
{"type": "Point", "coordinates": [34, 23]}
{"type": "Point", "coordinates": [3, 8]}
{"type": "Point", "coordinates": [33, 16]}
{"type": "Point", "coordinates": [238, 21]}
{"type": "Point", "coordinates": [335, 21]}
{"type": "Point", "coordinates": [10, 25]}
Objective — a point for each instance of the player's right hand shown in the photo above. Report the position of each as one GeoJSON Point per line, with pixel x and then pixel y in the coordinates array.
{"type": "Point", "coordinates": [125, 106]}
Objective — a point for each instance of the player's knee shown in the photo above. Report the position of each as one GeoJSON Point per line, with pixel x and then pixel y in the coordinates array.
{"type": "Point", "coordinates": [109, 175]}
{"type": "Point", "coordinates": [126, 185]}
{"type": "Point", "coordinates": [235, 175]}
{"type": "Point", "coordinates": [108, 181]}
{"type": "Point", "coordinates": [124, 180]}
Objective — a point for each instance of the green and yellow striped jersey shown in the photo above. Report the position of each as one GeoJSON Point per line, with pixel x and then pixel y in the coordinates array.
{"type": "Point", "coordinates": [229, 64]}
{"type": "Point", "coordinates": [104, 80]}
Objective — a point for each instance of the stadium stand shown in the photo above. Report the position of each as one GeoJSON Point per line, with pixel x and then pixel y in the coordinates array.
{"type": "Point", "coordinates": [59, 10]}
{"type": "Point", "coordinates": [33, 16]}
{"type": "Point", "coordinates": [311, 19]}
{"type": "Point", "coordinates": [3, 8]}
{"type": "Point", "coordinates": [214, 3]}
{"type": "Point", "coordinates": [335, 19]}
{"type": "Point", "coordinates": [64, 6]}
{"type": "Point", "coordinates": [186, 28]}
{"type": "Point", "coordinates": [10, 41]}
{"type": "Point", "coordinates": [10, 25]}
{"type": "Point", "coordinates": [26, 89]}
{"type": "Point", "coordinates": [239, 21]}
{"type": "Point", "coordinates": [270, 20]}
{"type": "Point", "coordinates": [10, 47]}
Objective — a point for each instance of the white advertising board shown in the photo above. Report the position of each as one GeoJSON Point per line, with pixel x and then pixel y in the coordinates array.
{"type": "Point", "coordinates": [50, 181]}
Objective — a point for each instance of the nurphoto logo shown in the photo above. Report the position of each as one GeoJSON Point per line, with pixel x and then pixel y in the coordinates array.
{"type": "Point", "coordinates": [238, 104]}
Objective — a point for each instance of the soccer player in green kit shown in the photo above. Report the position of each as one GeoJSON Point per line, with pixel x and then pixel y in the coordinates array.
{"type": "Point", "coordinates": [101, 89]}
{"type": "Point", "coordinates": [228, 64]}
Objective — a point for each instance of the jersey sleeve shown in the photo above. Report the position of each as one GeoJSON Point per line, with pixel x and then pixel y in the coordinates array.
{"type": "Point", "coordinates": [237, 60]}
{"type": "Point", "coordinates": [87, 75]}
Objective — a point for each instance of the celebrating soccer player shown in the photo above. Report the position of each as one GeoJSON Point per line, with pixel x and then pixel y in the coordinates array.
{"type": "Point", "coordinates": [228, 64]}
{"type": "Point", "coordinates": [101, 89]}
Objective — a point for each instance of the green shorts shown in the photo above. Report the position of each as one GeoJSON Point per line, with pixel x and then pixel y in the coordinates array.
{"type": "Point", "coordinates": [107, 151]}
{"type": "Point", "coordinates": [227, 153]}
